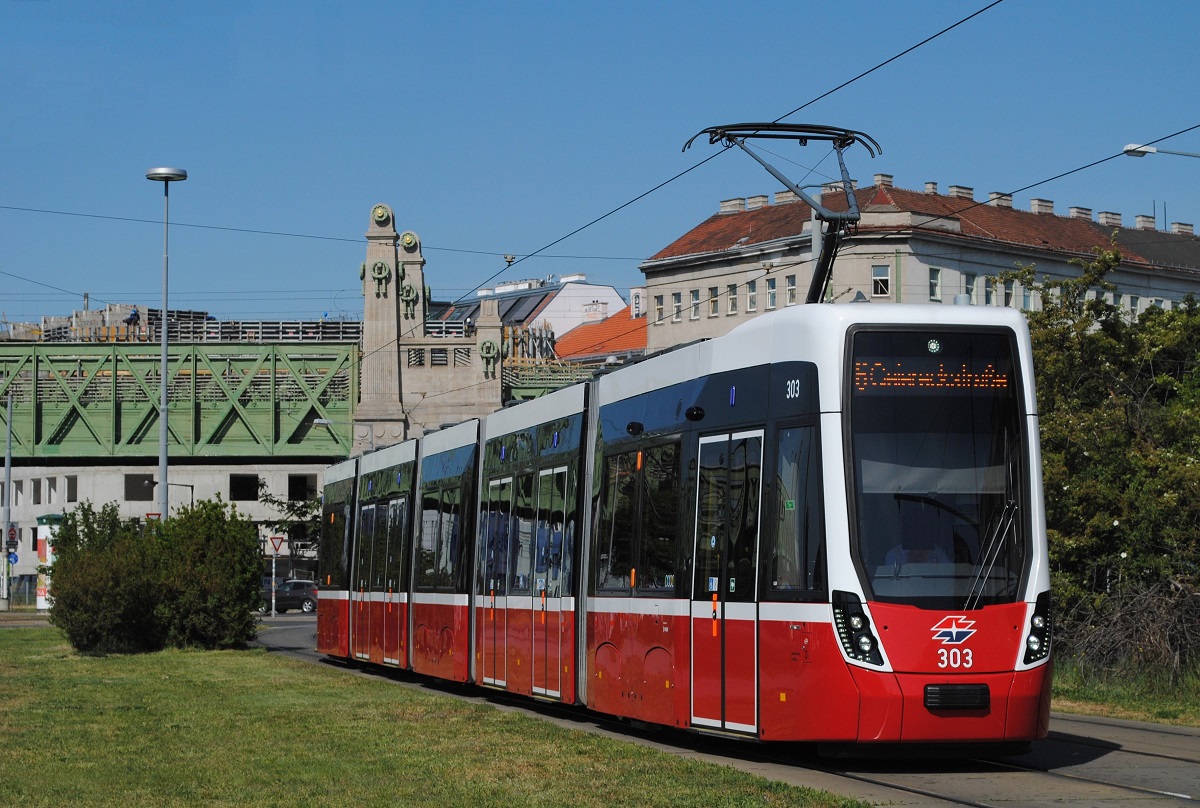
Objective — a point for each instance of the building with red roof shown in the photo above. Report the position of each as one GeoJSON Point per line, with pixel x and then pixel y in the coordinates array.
{"type": "Point", "coordinates": [607, 340]}
{"type": "Point", "coordinates": [756, 254]}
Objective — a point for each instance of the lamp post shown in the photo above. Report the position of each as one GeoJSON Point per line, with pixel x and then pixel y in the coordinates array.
{"type": "Point", "coordinates": [166, 176]}
{"type": "Point", "coordinates": [1134, 150]}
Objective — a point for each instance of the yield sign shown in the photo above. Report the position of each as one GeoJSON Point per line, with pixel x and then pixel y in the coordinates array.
{"type": "Point", "coordinates": [277, 542]}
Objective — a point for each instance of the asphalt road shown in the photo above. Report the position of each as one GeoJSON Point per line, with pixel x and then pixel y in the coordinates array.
{"type": "Point", "coordinates": [1084, 761]}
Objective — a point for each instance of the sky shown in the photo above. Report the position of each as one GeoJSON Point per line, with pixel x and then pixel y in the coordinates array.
{"type": "Point", "coordinates": [496, 128]}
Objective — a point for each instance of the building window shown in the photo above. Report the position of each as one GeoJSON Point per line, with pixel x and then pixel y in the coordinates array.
{"type": "Point", "coordinates": [416, 357]}
{"type": "Point", "coordinates": [658, 309]}
{"type": "Point", "coordinates": [1008, 294]}
{"type": "Point", "coordinates": [1026, 299]}
{"type": "Point", "coordinates": [462, 357]}
{"type": "Point", "coordinates": [18, 494]}
{"type": "Point", "coordinates": [935, 284]}
{"type": "Point", "coordinates": [302, 487]}
{"type": "Point", "coordinates": [790, 284]}
{"type": "Point", "coordinates": [731, 293]}
{"type": "Point", "coordinates": [969, 287]}
{"type": "Point", "coordinates": [714, 301]}
{"type": "Point", "coordinates": [695, 299]}
{"type": "Point", "coordinates": [881, 281]}
{"type": "Point", "coordinates": [751, 295]}
{"type": "Point", "coordinates": [51, 490]}
{"type": "Point", "coordinates": [243, 488]}
{"type": "Point", "coordinates": [139, 488]}
{"type": "Point", "coordinates": [439, 357]}
{"type": "Point", "coordinates": [988, 288]}
{"type": "Point", "coordinates": [35, 491]}
{"type": "Point", "coordinates": [771, 293]}
{"type": "Point", "coordinates": [1135, 303]}
{"type": "Point", "coordinates": [1118, 300]}
{"type": "Point", "coordinates": [676, 306]}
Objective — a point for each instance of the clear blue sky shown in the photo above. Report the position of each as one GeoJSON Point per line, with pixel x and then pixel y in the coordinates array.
{"type": "Point", "coordinates": [496, 128]}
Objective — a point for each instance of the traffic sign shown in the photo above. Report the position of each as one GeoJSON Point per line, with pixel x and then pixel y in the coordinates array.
{"type": "Point", "coordinates": [12, 559]}
{"type": "Point", "coordinates": [277, 542]}
{"type": "Point", "coordinates": [10, 545]}
{"type": "Point", "coordinates": [12, 532]}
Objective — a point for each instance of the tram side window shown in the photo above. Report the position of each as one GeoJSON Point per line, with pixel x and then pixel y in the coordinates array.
{"type": "Point", "coordinates": [426, 571]}
{"type": "Point", "coordinates": [659, 522]}
{"type": "Point", "coordinates": [438, 555]}
{"type": "Point", "coordinates": [796, 561]}
{"type": "Point", "coordinates": [614, 541]}
{"type": "Point", "coordinates": [335, 545]}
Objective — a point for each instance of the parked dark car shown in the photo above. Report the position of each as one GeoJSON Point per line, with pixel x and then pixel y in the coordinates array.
{"type": "Point", "coordinates": [300, 595]}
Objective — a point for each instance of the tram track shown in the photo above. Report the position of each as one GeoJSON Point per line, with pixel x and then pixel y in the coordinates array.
{"type": "Point", "coordinates": [1084, 761]}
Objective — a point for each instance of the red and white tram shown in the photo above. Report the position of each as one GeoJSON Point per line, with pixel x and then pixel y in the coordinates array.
{"type": "Point", "coordinates": [825, 526]}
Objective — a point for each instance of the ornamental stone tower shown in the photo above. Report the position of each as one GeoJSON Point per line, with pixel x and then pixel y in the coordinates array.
{"type": "Point", "coordinates": [417, 374]}
{"type": "Point", "coordinates": [394, 307]}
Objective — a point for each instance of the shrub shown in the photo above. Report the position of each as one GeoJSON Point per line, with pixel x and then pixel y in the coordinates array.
{"type": "Point", "coordinates": [104, 583]}
{"type": "Point", "coordinates": [191, 580]}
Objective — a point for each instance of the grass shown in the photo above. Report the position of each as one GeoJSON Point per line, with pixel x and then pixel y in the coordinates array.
{"type": "Point", "coordinates": [251, 728]}
{"type": "Point", "coordinates": [1143, 698]}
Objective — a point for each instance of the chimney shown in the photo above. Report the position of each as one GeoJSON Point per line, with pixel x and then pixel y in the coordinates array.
{"type": "Point", "coordinates": [999, 200]}
{"type": "Point", "coordinates": [784, 197]}
{"type": "Point", "coordinates": [962, 191]}
{"type": "Point", "coordinates": [1041, 205]}
{"type": "Point", "coordinates": [883, 180]}
{"type": "Point", "coordinates": [754, 202]}
{"type": "Point", "coordinates": [1144, 222]}
{"type": "Point", "coordinates": [595, 311]}
{"type": "Point", "coordinates": [1181, 229]}
{"type": "Point", "coordinates": [931, 187]}
{"type": "Point", "coordinates": [835, 187]}
{"type": "Point", "coordinates": [733, 205]}
{"type": "Point", "coordinates": [1081, 213]}
{"type": "Point", "coordinates": [1109, 219]}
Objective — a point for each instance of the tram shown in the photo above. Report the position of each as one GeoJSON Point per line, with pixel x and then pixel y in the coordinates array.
{"type": "Point", "coordinates": [826, 525]}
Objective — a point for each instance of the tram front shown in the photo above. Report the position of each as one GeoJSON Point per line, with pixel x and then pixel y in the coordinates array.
{"type": "Point", "coordinates": [948, 544]}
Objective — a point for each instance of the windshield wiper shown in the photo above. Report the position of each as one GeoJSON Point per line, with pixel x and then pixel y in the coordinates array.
{"type": "Point", "coordinates": [995, 540]}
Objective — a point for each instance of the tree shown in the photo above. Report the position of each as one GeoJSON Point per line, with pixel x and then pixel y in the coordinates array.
{"type": "Point", "coordinates": [1117, 404]}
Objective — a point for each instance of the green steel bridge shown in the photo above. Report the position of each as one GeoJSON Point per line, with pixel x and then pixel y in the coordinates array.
{"type": "Point", "coordinates": [90, 401]}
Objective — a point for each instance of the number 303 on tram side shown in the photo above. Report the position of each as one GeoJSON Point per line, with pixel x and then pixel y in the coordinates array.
{"type": "Point", "coordinates": [826, 525]}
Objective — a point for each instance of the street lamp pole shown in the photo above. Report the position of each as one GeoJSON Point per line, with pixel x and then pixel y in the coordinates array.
{"type": "Point", "coordinates": [166, 176]}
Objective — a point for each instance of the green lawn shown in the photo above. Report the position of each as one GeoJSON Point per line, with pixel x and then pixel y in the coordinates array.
{"type": "Point", "coordinates": [247, 727]}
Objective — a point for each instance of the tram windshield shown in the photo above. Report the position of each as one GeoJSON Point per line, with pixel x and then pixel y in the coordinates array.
{"type": "Point", "coordinates": [938, 459]}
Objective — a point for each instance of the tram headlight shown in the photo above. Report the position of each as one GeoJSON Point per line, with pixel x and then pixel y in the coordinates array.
{"type": "Point", "coordinates": [854, 629]}
{"type": "Point", "coordinates": [1037, 643]}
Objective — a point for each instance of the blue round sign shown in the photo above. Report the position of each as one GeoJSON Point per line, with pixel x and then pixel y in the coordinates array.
{"type": "Point", "coordinates": [12, 559]}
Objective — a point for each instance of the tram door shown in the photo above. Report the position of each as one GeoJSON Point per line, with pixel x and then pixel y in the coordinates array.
{"type": "Point", "coordinates": [497, 533]}
{"type": "Point", "coordinates": [548, 581]}
{"type": "Point", "coordinates": [724, 607]}
{"type": "Point", "coordinates": [397, 546]}
{"type": "Point", "coordinates": [360, 588]}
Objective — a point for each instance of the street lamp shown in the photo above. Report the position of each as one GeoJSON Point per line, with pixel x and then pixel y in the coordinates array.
{"type": "Point", "coordinates": [1134, 150]}
{"type": "Point", "coordinates": [166, 176]}
{"type": "Point", "coordinates": [191, 489]}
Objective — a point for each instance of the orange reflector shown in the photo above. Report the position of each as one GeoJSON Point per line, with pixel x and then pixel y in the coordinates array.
{"type": "Point", "coordinates": [639, 461]}
{"type": "Point", "coordinates": [633, 579]}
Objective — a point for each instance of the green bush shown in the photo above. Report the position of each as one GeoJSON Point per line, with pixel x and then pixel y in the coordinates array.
{"type": "Point", "coordinates": [104, 583]}
{"type": "Point", "coordinates": [188, 581]}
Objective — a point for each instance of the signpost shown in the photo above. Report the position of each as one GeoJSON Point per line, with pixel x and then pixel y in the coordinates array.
{"type": "Point", "coordinates": [276, 542]}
